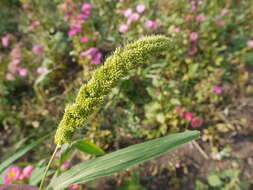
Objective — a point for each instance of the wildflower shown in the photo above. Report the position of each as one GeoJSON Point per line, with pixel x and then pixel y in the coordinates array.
{"type": "Point", "coordinates": [194, 36]}
{"type": "Point", "coordinates": [196, 122]}
{"type": "Point", "coordinates": [93, 55]}
{"type": "Point", "coordinates": [140, 8]}
{"type": "Point", "coordinates": [74, 32]}
{"type": "Point", "coordinates": [6, 41]}
{"type": "Point", "coordinates": [27, 171]}
{"type": "Point", "coordinates": [12, 175]}
{"type": "Point", "coordinates": [177, 165]}
{"type": "Point", "coordinates": [224, 12]}
{"type": "Point", "coordinates": [65, 166]}
{"type": "Point", "coordinates": [188, 116]}
{"type": "Point", "coordinates": [10, 77]}
{"type": "Point", "coordinates": [217, 90]}
{"type": "Point", "coordinates": [200, 18]}
{"type": "Point", "coordinates": [41, 70]}
{"type": "Point", "coordinates": [250, 43]}
{"type": "Point", "coordinates": [22, 72]}
{"type": "Point", "coordinates": [220, 22]}
{"type": "Point", "coordinates": [123, 28]}
{"type": "Point", "coordinates": [152, 25]}
{"type": "Point", "coordinates": [38, 49]}
{"type": "Point", "coordinates": [127, 13]}
{"type": "Point", "coordinates": [84, 40]}
{"type": "Point", "coordinates": [33, 25]}
{"type": "Point", "coordinates": [86, 10]}
{"type": "Point", "coordinates": [201, 3]}
{"type": "Point", "coordinates": [193, 5]}
{"type": "Point", "coordinates": [177, 30]}
{"type": "Point", "coordinates": [133, 17]}
{"type": "Point", "coordinates": [73, 187]}
{"type": "Point", "coordinates": [192, 51]}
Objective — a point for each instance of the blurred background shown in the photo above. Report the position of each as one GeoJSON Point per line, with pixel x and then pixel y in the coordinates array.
{"type": "Point", "coordinates": [50, 48]}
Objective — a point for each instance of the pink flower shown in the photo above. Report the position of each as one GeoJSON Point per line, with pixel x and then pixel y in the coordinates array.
{"type": "Point", "coordinates": [41, 70]}
{"type": "Point", "coordinates": [194, 36]}
{"type": "Point", "coordinates": [250, 43]}
{"type": "Point", "coordinates": [196, 122]}
{"type": "Point", "coordinates": [93, 55]}
{"type": "Point", "coordinates": [38, 49]}
{"type": "Point", "coordinates": [200, 18]}
{"type": "Point", "coordinates": [65, 166]}
{"type": "Point", "coordinates": [127, 13]}
{"type": "Point", "coordinates": [6, 41]}
{"type": "Point", "coordinates": [192, 51]}
{"type": "Point", "coordinates": [224, 12]}
{"type": "Point", "coordinates": [74, 32]}
{"type": "Point", "coordinates": [152, 25]}
{"type": "Point", "coordinates": [140, 8]}
{"type": "Point", "coordinates": [217, 90]}
{"type": "Point", "coordinates": [177, 165]}
{"type": "Point", "coordinates": [10, 77]}
{"type": "Point", "coordinates": [188, 116]}
{"type": "Point", "coordinates": [12, 175]}
{"type": "Point", "coordinates": [177, 30]}
{"type": "Point", "coordinates": [86, 7]}
{"type": "Point", "coordinates": [193, 5]}
{"type": "Point", "coordinates": [123, 28]}
{"type": "Point", "coordinates": [22, 72]}
{"type": "Point", "coordinates": [220, 22]}
{"type": "Point", "coordinates": [201, 2]}
{"type": "Point", "coordinates": [73, 187]}
{"type": "Point", "coordinates": [133, 17]}
{"type": "Point", "coordinates": [27, 171]}
{"type": "Point", "coordinates": [33, 25]}
{"type": "Point", "coordinates": [84, 40]}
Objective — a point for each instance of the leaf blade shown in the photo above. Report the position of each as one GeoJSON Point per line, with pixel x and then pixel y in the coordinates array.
{"type": "Point", "coordinates": [122, 159]}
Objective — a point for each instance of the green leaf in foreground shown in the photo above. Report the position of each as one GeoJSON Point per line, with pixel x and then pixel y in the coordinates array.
{"type": "Point", "coordinates": [88, 147]}
{"type": "Point", "coordinates": [19, 154]}
{"type": "Point", "coordinates": [121, 160]}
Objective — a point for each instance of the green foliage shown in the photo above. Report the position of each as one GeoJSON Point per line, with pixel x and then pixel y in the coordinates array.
{"type": "Point", "coordinates": [121, 159]}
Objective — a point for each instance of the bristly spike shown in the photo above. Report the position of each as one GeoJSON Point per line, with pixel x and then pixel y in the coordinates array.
{"type": "Point", "coordinates": [103, 80]}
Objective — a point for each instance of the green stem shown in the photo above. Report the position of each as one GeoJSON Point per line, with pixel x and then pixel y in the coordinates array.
{"type": "Point", "coordinates": [48, 166]}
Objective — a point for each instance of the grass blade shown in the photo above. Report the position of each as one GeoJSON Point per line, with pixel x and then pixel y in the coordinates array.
{"type": "Point", "coordinates": [121, 160]}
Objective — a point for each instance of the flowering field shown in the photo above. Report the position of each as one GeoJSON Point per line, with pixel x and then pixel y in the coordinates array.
{"type": "Point", "coordinates": [94, 77]}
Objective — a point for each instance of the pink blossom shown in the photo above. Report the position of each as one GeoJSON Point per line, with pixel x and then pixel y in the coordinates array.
{"type": "Point", "coordinates": [12, 175]}
{"type": "Point", "coordinates": [201, 2]}
{"type": "Point", "coordinates": [38, 49]}
{"type": "Point", "coordinates": [16, 53]}
{"type": "Point", "coordinates": [6, 41]}
{"type": "Point", "coordinates": [196, 122]}
{"type": "Point", "coordinates": [152, 25]}
{"type": "Point", "coordinates": [200, 18]}
{"type": "Point", "coordinates": [41, 70]}
{"type": "Point", "coordinates": [133, 17]}
{"type": "Point", "coordinates": [220, 22]}
{"type": "Point", "coordinates": [177, 30]}
{"type": "Point", "coordinates": [86, 7]}
{"type": "Point", "coordinates": [33, 25]}
{"type": "Point", "coordinates": [250, 43]}
{"type": "Point", "coordinates": [65, 166]}
{"type": "Point", "coordinates": [224, 12]}
{"type": "Point", "coordinates": [22, 72]}
{"type": "Point", "coordinates": [194, 36]}
{"type": "Point", "coordinates": [93, 55]}
{"type": "Point", "coordinates": [140, 8]}
{"type": "Point", "coordinates": [177, 165]}
{"type": "Point", "coordinates": [10, 77]}
{"type": "Point", "coordinates": [73, 187]}
{"type": "Point", "coordinates": [217, 90]}
{"type": "Point", "coordinates": [127, 13]}
{"type": "Point", "coordinates": [74, 32]}
{"type": "Point", "coordinates": [123, 28]}
{"type": "Point", "coordinates": [27, 171]}
{"type": "Point", "coordinates": [188, 116]}
{"type": "Point", "coordinates": [192, 51]}
{"type": "Point", "coordinates": [193, 5]}
{"type": "Point", "coordinates": [84, 40]}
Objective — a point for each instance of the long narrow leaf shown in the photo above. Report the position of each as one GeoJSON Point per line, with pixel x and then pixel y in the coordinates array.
{"type": "Point", "coordinates": [121, 160]}
{"type": "Point", "coordinates": [88, 147]}
{"type": "Point", "coordinates": [19, 154]}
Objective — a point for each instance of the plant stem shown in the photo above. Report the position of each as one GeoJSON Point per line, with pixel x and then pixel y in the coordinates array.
{"type": "Point", "coordinates": [48, 166]}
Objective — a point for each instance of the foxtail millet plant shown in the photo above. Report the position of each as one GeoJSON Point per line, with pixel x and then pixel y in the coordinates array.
{"type": "Point", "coordinates": [104, 79]}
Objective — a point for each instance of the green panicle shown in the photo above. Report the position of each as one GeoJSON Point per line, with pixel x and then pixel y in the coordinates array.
{"type": "Point", "coordinates": [103, 80]}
